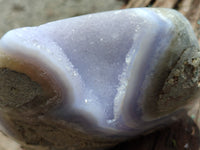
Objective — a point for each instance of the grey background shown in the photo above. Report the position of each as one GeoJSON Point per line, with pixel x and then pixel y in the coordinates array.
{"type": "Point", "coordinates": [19, 13]}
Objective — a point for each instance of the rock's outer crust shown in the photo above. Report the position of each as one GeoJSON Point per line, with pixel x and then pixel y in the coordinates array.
{"type": "Point", "coordinates": [178, 75]}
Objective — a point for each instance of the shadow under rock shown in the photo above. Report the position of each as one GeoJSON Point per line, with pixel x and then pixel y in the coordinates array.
{"type": "Point", "coordinates": [184, 134]}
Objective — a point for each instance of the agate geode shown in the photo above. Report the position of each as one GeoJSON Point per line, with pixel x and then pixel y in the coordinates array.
{"type": "Point", "coordinates": [94, 80]}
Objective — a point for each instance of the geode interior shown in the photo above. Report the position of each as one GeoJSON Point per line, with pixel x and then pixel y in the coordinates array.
{"type": "Point", "coordinates": [94, 80]}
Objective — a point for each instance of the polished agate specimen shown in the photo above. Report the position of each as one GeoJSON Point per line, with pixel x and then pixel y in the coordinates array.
{"type": "Point", "coordinates": [95, 80]}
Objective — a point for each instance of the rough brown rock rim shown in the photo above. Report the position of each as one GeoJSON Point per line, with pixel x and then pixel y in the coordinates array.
{"type": "Point", "coordinates": [184, 134]}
